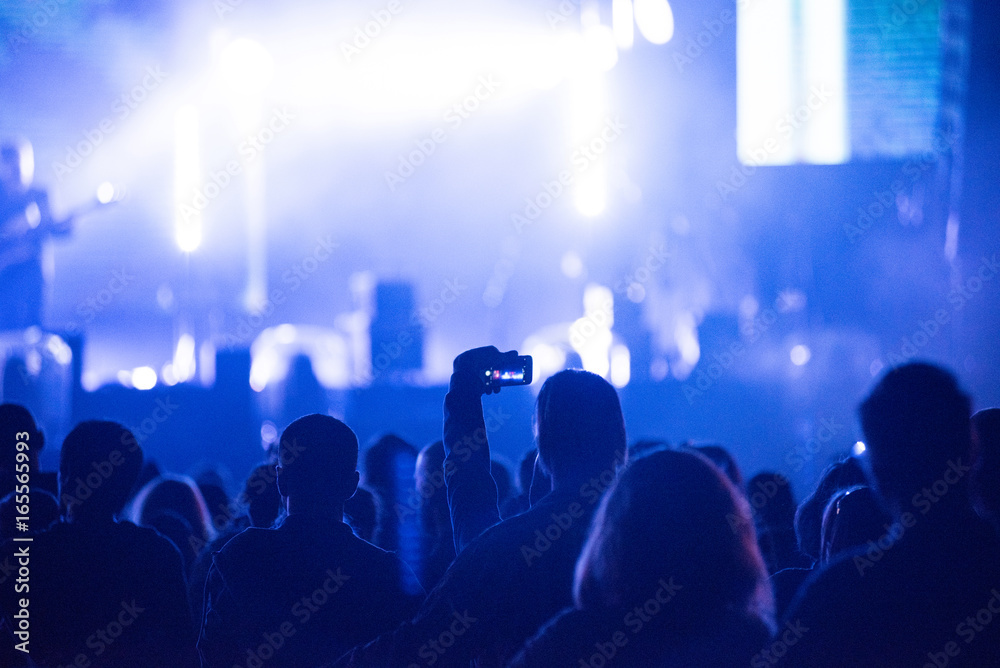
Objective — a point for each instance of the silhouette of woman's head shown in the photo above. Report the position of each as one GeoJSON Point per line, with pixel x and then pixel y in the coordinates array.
{"type": "Point", "coordinates": [673, 517]}
{"type": "Point", "coordinates": [580, 425]}
{"type": "Point", "coordinates": [178, 495]}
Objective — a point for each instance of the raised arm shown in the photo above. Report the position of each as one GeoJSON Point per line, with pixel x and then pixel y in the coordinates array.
{"type": "Point", "coordinates": [472, 492]}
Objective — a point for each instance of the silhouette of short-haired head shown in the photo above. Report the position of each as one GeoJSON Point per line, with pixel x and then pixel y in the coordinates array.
{"type": "Point", "coordinates": [915, 420]}
{"type": "Point", "coordinates": [580, 425]}
{"type": "Point", "coordinates": [673, 514]}
{"type": "Point", "coordinates": [98, 466]}
{"type": "Point", "coordinates": [318, 460]}
{"type": "Point", "coordinates": [986, 471]}
{"type": "Point", "coordinates": [387, 461]}
{"type": "Point", "coordinates": [852, 518]}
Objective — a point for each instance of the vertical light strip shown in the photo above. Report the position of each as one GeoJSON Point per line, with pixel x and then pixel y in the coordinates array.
{"type": "Point", "coordinates": [823, 91]}
{"type": "Point", "coordinates": [623, 23]}
{"type": "Point", "coordinates": [588, 117]}
{"type": "Point", "coordinates": [764, 82]}
{"type": "Point", "coordinates": [187, 173]}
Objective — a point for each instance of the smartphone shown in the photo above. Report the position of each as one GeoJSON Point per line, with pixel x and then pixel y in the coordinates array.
{"type": "Point", "coordinates": [515, 370]}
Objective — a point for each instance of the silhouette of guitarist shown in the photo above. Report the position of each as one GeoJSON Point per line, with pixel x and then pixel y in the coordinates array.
{"type": "Point", "coordinates": [25, 222]}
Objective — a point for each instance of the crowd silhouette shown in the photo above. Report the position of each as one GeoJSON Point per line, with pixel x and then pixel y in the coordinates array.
{"type": "Point", "coordinates": [598, 553]}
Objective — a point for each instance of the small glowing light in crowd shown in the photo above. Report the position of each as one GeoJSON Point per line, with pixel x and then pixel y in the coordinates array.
{"type": "Point", "coordinates": [800, 354]}
{"type": "Point", "coordinates": [655, 19]}
{"type": "Point", "coordinates": [105, 192]}
{"type": "Point", "coordinates": [621, 366]}
{"type": "Point", "coordinates": [268, 433]}
{"type": "Point", "coordinates": [571, 265]}
{"type": "Point", "coordinates": [143, 378]}
{"type": "Point", "coordinates": [858, 449]}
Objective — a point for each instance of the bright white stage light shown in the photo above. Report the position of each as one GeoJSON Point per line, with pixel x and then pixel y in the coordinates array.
{"type": "Point", "coordinates": [655, 19]}
{"type": "Point", "coordinates": [623, 23]}
{"type": "Point", "coordinates": [246, 66]}
{"type": "Point", "coordinates": [105, 192]}
{"type": "Point", "coordinates": [187, 170]}
{"type": "Point", "coordinates": [144, 378]}
{"type": "Point", "coordinates": [859, 449]}
{"type": "Point", "coordinates": [800, 354]}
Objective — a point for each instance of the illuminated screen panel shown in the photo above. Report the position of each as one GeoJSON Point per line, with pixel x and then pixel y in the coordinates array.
{"type": "Point", "coordinates": [826, 81]}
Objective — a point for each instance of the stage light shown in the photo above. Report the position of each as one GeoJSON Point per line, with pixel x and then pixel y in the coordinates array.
{"type": "Point", "coordinates": [105, 192]}
{"type": "Point", "coordinates": [859, 449]}
{"type": "Point", "coordinates": [571, 265]}
{"type": "Point", "coordinates": [246, 66]}
{"type": "Point", "coordinates": [591, 196]}
{"type": "Point", "coordinates": [187, 212]}
{"type": "Point", "coordinates": [655, 19]}
{"type": "Point", "coordinates": [143, 378]}
{"type": "Point", "coordinates": [800, 354]}
{"type": "Point", "coordinates": [621, 366]}
{"type": "Point", "coordinates": [183, 365]}
{"type": "Point", "coordinates": [623, 23]}
{"type": "Point", "coordinates": [268, 433]}
{"type": "Point", "coordinates": [600, 51]}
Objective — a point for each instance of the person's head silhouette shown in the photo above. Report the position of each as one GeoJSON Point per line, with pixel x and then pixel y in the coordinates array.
{"type": "Point", "coordinates": [98, 466]}
{"type": "Point", "coordinates": [580, 426]}
{"type": "Point", "coordinates": [986, 472]}
{"type": "Point", "coordinates": [317, 465]}
{"type": "Point", "coordinates": [674, 517]}
{"type": "Point", "coordinates": [916, 425]}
